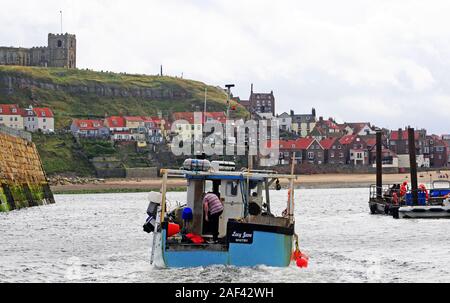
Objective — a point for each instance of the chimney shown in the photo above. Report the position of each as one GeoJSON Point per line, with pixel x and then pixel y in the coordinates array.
{"type": "Point", "coordinates": [292, 113]}
{"type": "Point", "coordinates": [321, 119]}
{"type": "Point", "coordinates": [252, 89]}
{"type": "Point", "coordinates": [314, 112]}
{"type": "Point", "coordinates": [400, 134]}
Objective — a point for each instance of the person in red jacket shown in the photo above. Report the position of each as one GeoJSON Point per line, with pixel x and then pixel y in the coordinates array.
{"type": "Point", "coordinates": [403, 189]}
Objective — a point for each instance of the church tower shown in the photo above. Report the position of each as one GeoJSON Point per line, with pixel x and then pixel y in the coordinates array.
{"type": "Point", "coordinates": [62, 50]}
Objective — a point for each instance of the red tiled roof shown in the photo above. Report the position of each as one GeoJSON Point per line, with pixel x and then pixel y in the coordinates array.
{"type": "Point", "coordinates": [43, 112]}
{"type": "Point", "coordinates": [299, 144]}
{"type": "Point", "coordinates": [395, 135]}
{"type": "Point", "coordinates": [115, 122]}
{"type": "Point", "coordinates": [347, 139]}
{"type": "Point", "coordinates": [304, 143]}
{"type": "Point", "coordinates": [7, 109]}
{"type": "Point", "coordinates": [328, 143]}
{"type": "Point", "coordinates": [189, 117]}
{"type": "Point", "coordinates": [371, 141]}
{"type": "Point", "coordinates": [330, 124]}
{"type": "Point", "coordinates": [88, 124]}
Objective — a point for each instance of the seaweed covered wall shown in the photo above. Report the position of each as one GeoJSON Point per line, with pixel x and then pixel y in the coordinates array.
{"type": "Point", "coordinates": [22, 179]}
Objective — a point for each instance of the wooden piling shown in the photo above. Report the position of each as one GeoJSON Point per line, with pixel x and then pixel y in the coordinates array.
{"type": "Point", "coordinates": [413, 165]}
{"type": "Point", "coordinates": [379, 165]}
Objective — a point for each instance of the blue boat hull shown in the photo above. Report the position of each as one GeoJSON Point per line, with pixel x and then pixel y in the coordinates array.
{"type": "Point", "coordinates": [266, 248]}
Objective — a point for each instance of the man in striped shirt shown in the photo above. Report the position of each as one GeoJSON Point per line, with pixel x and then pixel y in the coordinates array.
{"type": "Point", "coordinates": [213, 210]}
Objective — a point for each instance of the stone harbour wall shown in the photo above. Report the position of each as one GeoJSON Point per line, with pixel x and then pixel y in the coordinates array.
{"type": "Point", "coordinates": [23, 182]}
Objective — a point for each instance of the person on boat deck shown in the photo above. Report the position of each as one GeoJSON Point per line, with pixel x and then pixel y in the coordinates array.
{"type": "Point", "coordinates": [213, 210]}
{"type": "Point", "coordinates": [423, 189]}
{"type": "Point", "coordinates": [404, 189]}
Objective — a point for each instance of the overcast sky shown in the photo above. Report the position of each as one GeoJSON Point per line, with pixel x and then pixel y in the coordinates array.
{"type": "Point", "coordinates": [382, 61]}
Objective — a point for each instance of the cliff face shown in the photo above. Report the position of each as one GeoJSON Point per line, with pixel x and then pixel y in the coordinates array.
{"type": "Point", "coordinates": [73, 93]}
{"type": "Point", "coordinates": [12, 83]}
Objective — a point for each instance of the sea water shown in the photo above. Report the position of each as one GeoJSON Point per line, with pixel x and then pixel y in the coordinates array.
{"type": "Point", "coordinates": [99, 238]}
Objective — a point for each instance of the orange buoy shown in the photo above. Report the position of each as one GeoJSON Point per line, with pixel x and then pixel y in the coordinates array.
{"type": "Point", "coordinates": [300, 258]}
{"type": "Point", "coordinates": [302, 263]}
{"type": "Point", "coordinates": [173, 229]}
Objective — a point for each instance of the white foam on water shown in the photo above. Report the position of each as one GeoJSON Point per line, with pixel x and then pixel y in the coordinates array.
{"type": "Point", "coordinates": [99, 238]}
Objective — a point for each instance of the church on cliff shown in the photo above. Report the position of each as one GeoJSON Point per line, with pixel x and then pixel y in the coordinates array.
{"type": "Point", "coordinates": [61, 51]}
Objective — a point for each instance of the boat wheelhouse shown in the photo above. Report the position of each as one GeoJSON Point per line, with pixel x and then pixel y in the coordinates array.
{"type": "Point", "coordinates": [249, 233]}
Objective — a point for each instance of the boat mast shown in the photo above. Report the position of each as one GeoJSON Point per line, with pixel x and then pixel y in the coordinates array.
{"type": "Point", "coordinates": [291, 206]}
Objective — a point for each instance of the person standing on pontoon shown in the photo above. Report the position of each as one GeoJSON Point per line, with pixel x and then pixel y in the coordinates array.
{"type": "Point", "coordinates": [213, 210]}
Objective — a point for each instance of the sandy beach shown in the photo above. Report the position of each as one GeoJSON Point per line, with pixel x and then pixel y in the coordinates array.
{"type": "Point", "coordinates": [303, 181]}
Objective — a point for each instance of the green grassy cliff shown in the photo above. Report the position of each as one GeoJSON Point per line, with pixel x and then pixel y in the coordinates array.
{"type": "Point", "coordinates": [83, 93]}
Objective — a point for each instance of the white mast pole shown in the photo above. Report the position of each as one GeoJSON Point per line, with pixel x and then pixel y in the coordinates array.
{"type": "Point", "coordinates": [61, 12]}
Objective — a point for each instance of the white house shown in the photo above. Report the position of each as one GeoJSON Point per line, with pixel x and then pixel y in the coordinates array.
{"type": "Point", "coordinates": [30, 120]}
{"type": "Point", "coordinates": [285, 122]}
{"type": "Point", "coordinates": [45, 119]}
{"type": "Point", "coordinates": [11, 116]}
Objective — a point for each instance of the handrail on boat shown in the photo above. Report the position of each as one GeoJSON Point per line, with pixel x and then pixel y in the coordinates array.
{"type": "Point", "coordinates": [174, 173]}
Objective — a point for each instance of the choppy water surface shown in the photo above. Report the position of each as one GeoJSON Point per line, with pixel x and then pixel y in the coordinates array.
{"type": "Point", "coordinates": [99, 238]}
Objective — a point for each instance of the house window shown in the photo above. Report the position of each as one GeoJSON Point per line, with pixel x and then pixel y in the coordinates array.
{"type": "Point", "coordinates": [310, 155]}
{"type": "Point", "coordinates": [44, 120]}
{"type": "Point", "coordinates": [59, 43]}
{"type": "Point", "coordinates": [332, 155]}
{"type": "Point", "coordinates": [339, 147]}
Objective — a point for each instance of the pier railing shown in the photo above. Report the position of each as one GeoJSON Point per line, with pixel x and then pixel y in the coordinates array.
{"type": "Point", "coordinates": [387, 190]}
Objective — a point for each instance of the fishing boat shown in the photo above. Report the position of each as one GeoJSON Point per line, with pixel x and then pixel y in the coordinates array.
{"type": "Point", "coordinates": [249, 233]}
{"type": "Point", "coordinates": [401, 202]}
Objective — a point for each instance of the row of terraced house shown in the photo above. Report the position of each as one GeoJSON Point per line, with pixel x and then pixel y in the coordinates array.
{"type": "Point", "coordinates": [32, 119]}
{"type": "Point", "coordinates": [148, 129]}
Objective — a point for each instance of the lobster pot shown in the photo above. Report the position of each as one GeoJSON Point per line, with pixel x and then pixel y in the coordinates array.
{"type": "Point", "coordinates": [197, 165]}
